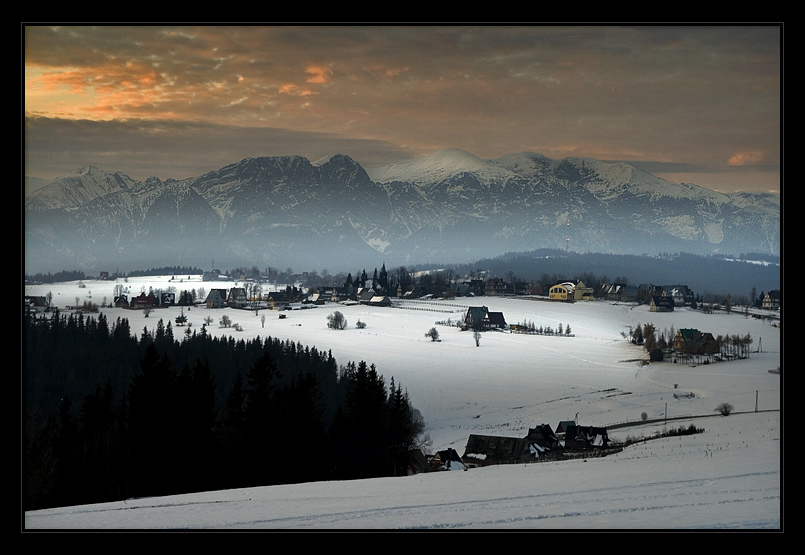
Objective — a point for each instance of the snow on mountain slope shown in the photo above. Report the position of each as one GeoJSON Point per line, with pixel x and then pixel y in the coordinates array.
{"type": "Point", "coordinates": [439, 166]}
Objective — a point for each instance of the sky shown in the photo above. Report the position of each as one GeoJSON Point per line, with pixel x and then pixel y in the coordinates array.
{"type": "Point", "coordinates": [694, 104]}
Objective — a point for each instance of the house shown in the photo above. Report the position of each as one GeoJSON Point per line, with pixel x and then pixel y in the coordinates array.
{"type": "Point", "coordinates": [773, 300]}
{"type": "Point", "coordinates": [216, 298]}
{"type": "Point", "coordinates": [693, 342]}
{"type": "Point", "coordinates": [661, 304]}
{"type": "Point", "coordinates": [378, 300]}
{"type": "Point", "coordinates": [562, 428]}
{"type": "Point", "coordinates": [562, 292]}
{"type": "Point", "coordinates": [167, 298]}
{"type": "Point", "coordinates": [477, 287]}
{"type": "Point", "coordinates": [447, 460]}
{"type": "Point", "coordinates": [582, 293]}
{"type": "Point", "coordinates": [579, 438]}
{"type": "Point", "coordinates": [143, 301]}
{"type": "Point", "coordinates": [479, 318]}
{"type": "Point", "coordinates": [365, 295]}
{"type": "Point", "coordinates": [36, 304]}
{"type": "Point", "coordinates": [646, 290]}
{"type": "Point", "coordinates": [542, 441]}
{"type": "Point", "coordinates": [460, 289]}
{"type": "Point", "coordinates": [237, 298]}
{"type": "Point", "coordinates": [681, 294]}
{"type": "Point", "coordinates": [619, 292]}
{"type": "Point", "coordinates": [495, 287]}
{"type": "Point", "coordinates": [485, 450]}
{"type": "Point", "coordinates": [417, 463]}
{"type": "Point", "coordinates": [494, 321]}
{"type": "Point", "coordinates": [277, 300]}
{"type": "Point", "coordinates": [474, 319]}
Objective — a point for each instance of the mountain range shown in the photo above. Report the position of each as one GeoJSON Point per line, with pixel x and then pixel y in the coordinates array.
{"type": "Point", "coordinates": [333, 213]}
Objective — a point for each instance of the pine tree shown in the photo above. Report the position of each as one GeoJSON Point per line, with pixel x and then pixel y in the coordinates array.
{"type": "Point", "coordinates": [153, 425]}
{"type": "Point", "coordinates": [260, 419]}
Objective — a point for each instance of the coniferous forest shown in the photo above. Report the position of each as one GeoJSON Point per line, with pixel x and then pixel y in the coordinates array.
{"type": "Point", "coordinates": [109, 415]}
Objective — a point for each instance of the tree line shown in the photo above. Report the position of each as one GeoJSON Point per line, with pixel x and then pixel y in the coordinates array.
{"type": "Point", "coordinates": [109, 415]}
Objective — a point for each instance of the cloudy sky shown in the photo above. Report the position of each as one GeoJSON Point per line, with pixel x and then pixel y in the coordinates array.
{"type": "Point", "coordinates": [698, 104]}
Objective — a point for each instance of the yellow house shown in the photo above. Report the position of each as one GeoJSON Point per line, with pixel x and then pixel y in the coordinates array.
{"type": "Point", "coordinates": [562, 292]}
{"type": "Point", "coordinates": [569, 291]}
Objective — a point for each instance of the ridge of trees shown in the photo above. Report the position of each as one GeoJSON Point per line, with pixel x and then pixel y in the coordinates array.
{"type": "Point", "coordinates": [108, 415]}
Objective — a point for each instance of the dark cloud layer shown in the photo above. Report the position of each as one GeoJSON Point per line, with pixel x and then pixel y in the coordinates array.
{"type": "Point", "coordinates": [178, 101]}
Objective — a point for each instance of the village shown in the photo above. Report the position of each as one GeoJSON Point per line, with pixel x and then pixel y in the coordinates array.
{"type": "Point", "coordinates": [259, 293]}
{"type": "Point", "coordinates": [567, 440]}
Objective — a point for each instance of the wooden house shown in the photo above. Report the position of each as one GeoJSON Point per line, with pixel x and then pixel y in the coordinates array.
{"type": "Point", "coordinates": [773, 300]}
{"type": "Point", "coordinates": [167, 298]}
{"type": "Point", "coordinates": [36, 303]}
{"type": "Point", "coordinates": [417, 463]}
{"type": "Point", "coordinates": [579, 438]}
{"type": "Point", "coordinates": [216, 298]}
{"type": "Point", "coordinates": [474, 318]}
{"type": "Point", "coordinates": [237, 298]}
{"type": "Point", "coordinates": [143, 301]}
{"type": "Point", "coordinates": [447, 460]}
{"type": "Point", "coordinates": [494, 321]}
{"type": "Point", "coordinates": [542, 442]}
{"type": "Point", "coordinates": [661, 304]}
{"type": "Point", "coordinates": [484, 450]}
{"type": "Point", "coordinates": [378, 300]}
{"type": "Point", "coordinates": [495, 287]}
{"type": "Point", "coordinates": [562, 427]}
{"type": "Point", "coordinates": [681, 294]}
{"type": "Point", "coordinates": [693, 342]}
{"type": "Point", "coordinates": [619, 292]}
{"type": "Point", "coordinates": [277, 300]}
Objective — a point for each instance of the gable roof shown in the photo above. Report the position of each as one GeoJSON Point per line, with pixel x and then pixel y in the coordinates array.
{"type": "Point", "coordinates": [496, 448]}
{"type": "Point", "coordinates": [587, 436]}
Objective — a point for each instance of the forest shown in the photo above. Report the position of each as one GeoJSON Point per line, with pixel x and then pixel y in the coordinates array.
{"type": "Point", "coordinates": [108, 415]}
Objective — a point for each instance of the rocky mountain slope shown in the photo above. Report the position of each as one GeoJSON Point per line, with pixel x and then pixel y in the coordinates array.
{"type": "Point", "coordinates": [332, 213]}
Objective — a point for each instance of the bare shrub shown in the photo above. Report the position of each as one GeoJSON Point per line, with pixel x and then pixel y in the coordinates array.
{"type": "Point", "coordinates": [724, 408]}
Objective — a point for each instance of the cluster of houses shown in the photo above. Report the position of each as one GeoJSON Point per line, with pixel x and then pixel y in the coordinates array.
{"type": "Point", "coordinates": [567, 440]}
{"type": "Point", "coordinates": [541, 442]}
{"type": "Point", "coordinates": [661, 298]}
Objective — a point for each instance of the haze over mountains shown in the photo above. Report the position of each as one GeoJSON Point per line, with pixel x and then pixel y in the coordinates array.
{"type": "Point", "coordinates": [332, 213]}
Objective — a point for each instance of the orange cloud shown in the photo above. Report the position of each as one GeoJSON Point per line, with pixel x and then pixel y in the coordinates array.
{"type": "Point", "coordinates": [746, 158]}
{"type": "Point", "coordinates": [319, 74]}
{"type": "Point", "coordinates": [290, 88]}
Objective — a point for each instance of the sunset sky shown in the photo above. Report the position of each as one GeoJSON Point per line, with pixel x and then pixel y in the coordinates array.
{"type": "Point", "coordinates": [698, 104]}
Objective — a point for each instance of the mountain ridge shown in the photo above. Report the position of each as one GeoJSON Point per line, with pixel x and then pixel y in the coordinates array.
{"type": "Point", "coordinates": [451, 205]}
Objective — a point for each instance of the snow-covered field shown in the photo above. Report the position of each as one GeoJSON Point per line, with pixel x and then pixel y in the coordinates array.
{"type": "Point", "coordinates": [727, 477]}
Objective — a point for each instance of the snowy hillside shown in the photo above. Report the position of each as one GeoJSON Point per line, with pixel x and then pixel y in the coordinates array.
{"type": "Point", "coordinates": [727, 477]}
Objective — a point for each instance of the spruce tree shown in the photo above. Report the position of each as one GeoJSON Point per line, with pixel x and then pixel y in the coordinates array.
{"type": "Point", "coordinates": [153, 425]}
